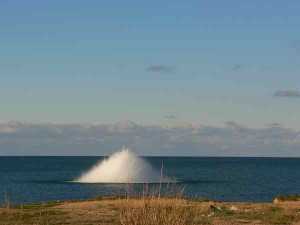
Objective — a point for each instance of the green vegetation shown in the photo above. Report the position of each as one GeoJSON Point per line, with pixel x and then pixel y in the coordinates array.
{"type": "Point", "coordinates": [32, 217]}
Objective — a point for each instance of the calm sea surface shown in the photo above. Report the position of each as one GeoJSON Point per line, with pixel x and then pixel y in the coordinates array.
{"type": "Point", "coordinates": [38, 179]}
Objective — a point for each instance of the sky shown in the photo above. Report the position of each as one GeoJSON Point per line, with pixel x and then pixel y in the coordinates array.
{"type": "Point", "coordinates": [162, 63]}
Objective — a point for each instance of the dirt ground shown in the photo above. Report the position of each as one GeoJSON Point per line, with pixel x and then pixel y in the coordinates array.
{"type": "Point", "coordinates": [108, 211]}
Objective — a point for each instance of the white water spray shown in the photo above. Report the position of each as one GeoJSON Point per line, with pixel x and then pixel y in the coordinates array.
{"type": "Point", "coordinates": [123, 167]}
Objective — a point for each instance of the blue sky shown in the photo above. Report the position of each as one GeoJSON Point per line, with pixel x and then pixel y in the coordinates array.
{"type": "Point", "coordinates": [153, 62]}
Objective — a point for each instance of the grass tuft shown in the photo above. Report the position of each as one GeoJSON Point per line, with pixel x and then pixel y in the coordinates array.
{"type": "Point", "coordinates": [295, 197]}
{"type": "Point", "coordinates": [160, 211]}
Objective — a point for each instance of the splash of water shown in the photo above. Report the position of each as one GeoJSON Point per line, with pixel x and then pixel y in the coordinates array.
{"type": "Point", "coordinates": [123, 167]}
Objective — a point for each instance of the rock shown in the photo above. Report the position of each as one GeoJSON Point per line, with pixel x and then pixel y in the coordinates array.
{"type": "Point", "coordinates": [216, 208]}
{"type": "Point", "coordinates": [233, 208]}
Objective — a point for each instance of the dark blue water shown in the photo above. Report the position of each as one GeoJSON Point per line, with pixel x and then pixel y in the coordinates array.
{"type": "Point", "coordinates": [38, 179]}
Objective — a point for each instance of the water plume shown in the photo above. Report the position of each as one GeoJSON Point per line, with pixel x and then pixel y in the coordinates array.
{"type": "Point", "coordinates": [123, 167]}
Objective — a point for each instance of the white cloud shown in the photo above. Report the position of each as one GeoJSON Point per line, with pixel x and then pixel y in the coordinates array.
{"type": "Point", "coordinates": [102, 139]}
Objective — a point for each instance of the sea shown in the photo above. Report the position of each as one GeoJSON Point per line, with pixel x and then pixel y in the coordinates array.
{"type": "Point", "coordinates": [41, 179]}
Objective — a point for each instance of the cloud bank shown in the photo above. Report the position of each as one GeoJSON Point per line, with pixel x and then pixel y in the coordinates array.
{"type": "Point", "coordinates": [103, 139]}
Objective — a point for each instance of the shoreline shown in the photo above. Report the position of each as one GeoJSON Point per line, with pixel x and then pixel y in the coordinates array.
{"type": "Point", "coordinates": [111, 210]}
{"type": "Point", "coordinates": [280, 198]}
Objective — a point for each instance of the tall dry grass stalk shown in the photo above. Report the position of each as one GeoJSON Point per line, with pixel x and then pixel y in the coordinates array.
{"type": "Point", "coordinates": [161, 178]}
{"type": "Point", "coordinates": [154, 190]}
{"type": "Point", "coordinates": [153, 209]}
{"type": "Point", "coordinates": [158, 211]}
{"type": "Point", "coordinates": [6, 201]}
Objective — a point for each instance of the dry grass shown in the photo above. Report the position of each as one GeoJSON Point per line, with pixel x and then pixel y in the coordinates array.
{"type": "Point", "coordinates": [31, 217]}
{"type": "Point", "coordinates": [177, 211]}
{"type": "Point", "coordinates": [151, 211]}
{"type": "Point", "coordinates": [157, 211]}
{"type": "Point", "coordinates": [288, 198]}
